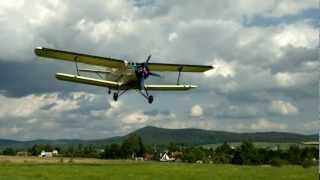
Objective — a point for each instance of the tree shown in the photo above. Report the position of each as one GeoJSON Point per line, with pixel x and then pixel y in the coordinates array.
{"type": "Point", "coordinates": [248, 153]}
{"type": "Point", "coordinates": [115, 151]}
{"type": "Point", "coordinates": [132, 146]}
{"type": "Point", "coordinates": [193, 154]}
{"type": "Point", "coordinates": [294, 154]}
{"type": "Point", "coordinates": [173, 147]}
{"type": "Point", "coordinates": [224, 148]}
{"type": "Point", "coordinates": [36, 149]}
{"type": "Point", "coordinates": [237, 159]}
{"type": "Point", "coordinates": [9, 151]}
{"type": "Point", "coordinates": [223, 154]}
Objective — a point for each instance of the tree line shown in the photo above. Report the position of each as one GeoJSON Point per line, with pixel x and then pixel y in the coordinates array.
{"type": "Point", "coordinates": [245, 154]}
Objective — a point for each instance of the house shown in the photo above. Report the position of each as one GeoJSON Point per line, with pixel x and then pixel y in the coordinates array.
{"type": "Point", "coordinates": [55, 152]}
{"type": "Point", "coordinates": [138, 158]}
{"type": "Point", "coordinates": [166, 158]}
{"type": "Point", "coordinates": [45, 154]}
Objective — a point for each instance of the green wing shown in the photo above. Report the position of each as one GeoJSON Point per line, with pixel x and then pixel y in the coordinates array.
{"type": "Point", "coordinates": [178, 67]}
{"type": "Point", "coordinates": [81, 58]}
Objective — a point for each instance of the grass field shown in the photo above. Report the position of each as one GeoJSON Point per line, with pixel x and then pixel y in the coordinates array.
{"type": "Point", "coordinates": [26, 168]}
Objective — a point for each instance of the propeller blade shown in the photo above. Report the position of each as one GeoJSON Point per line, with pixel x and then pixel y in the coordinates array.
{"type": "Point", "coordinates": [148, 59]}
{"type": "Point", "coordinates": [155, 74]}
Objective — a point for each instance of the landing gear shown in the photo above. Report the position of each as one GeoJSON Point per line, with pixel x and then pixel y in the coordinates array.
{"type": "Point", "coordinates": [109, 91]}
{"type": "Point", "coordinates": [115, 96]}
{"type": "Point", "coordinates": [146, 95]}
{"type": "Point", "coordinates": [150, 99]}
{"type": "Point", "coordinates": [119, 93]}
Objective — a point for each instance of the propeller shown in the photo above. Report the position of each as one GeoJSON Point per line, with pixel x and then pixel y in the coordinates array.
{"type": "Point", "coordinates": [143, 72]}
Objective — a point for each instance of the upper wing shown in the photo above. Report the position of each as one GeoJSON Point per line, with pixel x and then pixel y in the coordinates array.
{"type": "Point", "coordinates": [82, 58]}
{"type": "Point", "coordinates": [169, 87]}
{"type": "Point", "coordinates": [87, 80]}
{"type": "Point", "coordinates": [178, 67]}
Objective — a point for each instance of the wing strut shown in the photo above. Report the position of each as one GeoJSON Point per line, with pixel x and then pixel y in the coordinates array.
{"type": "Point", "coordinates": [76, 62]}
{"type": "Point", "coordinates": [179, 69]}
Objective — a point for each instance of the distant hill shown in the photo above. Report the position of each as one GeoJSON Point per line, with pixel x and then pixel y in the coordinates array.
{"type": "Point", "coordinates": [5, 142]}
{"type": "Point", "coordinates": [155, 135]}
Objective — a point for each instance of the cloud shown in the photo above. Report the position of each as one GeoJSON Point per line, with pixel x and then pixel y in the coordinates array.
{"type": "Point", "coordinates": [292, 79]}
{"type": "Point", "coordinates": [283, 108]}
{"type": "Point", "coordinates": [289, 7]}
{"type": "Point", "coordinates": [221, 68]}
{"type": "Point", "coordinates": [196, 111]}
{"type": "Point", "coordinates": [27, 106]}
{"type": "Point", "coordinates": [264, 124]}
{"type": "Point", "coordinates": [284, 79]}
{"type": "Point", "coordinates": [172, 36]}
{"type": "Point", "coordinates": [136, 118]}
{"type": "Point", "coordinates": [297, 35]}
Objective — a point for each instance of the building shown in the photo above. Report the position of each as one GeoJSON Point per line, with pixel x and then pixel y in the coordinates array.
{"type": "Point", "coordinates": [166, 158]}
{"type": "Point", "coordinates": [45, 154]}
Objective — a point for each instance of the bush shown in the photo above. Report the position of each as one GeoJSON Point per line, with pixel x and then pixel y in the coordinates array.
{"type": "Point", "coordinates": [9, 151]}
{"type": "Point", "coordinates": [277, 162]}
{"type": "Point", "coordinates": [70, 160]}
{"type": "Point", "coordinates": [307, 163]}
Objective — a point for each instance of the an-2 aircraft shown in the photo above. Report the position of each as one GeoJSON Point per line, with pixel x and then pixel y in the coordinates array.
{"type": "Point", "coordinates": [121, 75]}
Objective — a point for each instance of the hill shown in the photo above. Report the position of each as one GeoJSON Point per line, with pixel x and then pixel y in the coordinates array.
{"type": "Point", "coordinates": [162, 136]}
{"type": "Point", "coordinates": [154, 135]}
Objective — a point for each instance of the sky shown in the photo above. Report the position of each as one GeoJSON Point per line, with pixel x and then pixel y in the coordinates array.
{"type": "Point", "coordinates": [265, 55]}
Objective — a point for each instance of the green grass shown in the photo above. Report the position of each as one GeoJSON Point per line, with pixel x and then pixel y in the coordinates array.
{"type": "Point", "coordinates": [151, 170]}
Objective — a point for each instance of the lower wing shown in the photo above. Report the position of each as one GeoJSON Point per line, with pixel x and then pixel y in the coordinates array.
{"type": "Point", "coordinates": [87, 80]}
{"type": "Point", "coordinates": [169, 87]}
{"type": "Point", "coordinates": [116, 85]}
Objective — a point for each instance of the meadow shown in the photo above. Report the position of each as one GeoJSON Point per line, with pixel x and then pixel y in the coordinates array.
{"type": "Point", "coordinates": [16, 168]}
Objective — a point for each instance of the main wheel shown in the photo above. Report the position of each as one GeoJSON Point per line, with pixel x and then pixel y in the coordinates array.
{"type": "Point", "coordinates": [150, 99]}
{"type": "Point", "coordinates": [115, 96]}
{"type": "Point", "coordinates": [109, 91]}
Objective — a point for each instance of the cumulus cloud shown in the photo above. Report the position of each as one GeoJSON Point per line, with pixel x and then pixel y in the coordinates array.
{"type": "Point", "coordinates": [172, 36]}
{"type": "Point", "coordinates": [221, 68]}
{"type": "Point", "coordinates": [283, 107]}
{"type": "Point", "coordinates": [297, 35]}
{"type": "Point", "coordinates": [28, 105]}
{"type": "Point", "coordinates": [136, 118]}
{"type": "Point", "coordinates": [196, 111]}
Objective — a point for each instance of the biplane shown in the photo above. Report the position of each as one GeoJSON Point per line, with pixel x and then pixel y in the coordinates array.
{"type": "Point", "coordinates": [121, 75]}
